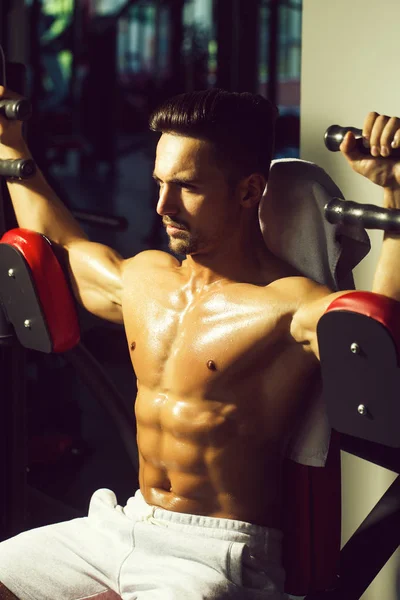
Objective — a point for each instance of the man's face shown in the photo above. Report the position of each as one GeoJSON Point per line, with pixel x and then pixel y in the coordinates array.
{"type": "Point", "coordinates": [196, 202]}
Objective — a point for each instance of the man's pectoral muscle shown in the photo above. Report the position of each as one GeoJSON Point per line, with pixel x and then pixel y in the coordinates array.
{"type": "Point", "coordinates": [220, 385]}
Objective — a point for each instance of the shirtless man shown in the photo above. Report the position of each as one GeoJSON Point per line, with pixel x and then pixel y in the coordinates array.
{"type": "Point", "coordinates": [224, 347]}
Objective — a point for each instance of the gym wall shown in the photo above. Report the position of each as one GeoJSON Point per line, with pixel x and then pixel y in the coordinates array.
{"type": "Point", "coordinates": [350, 66]}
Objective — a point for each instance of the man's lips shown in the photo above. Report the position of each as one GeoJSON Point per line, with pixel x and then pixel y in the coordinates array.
{"type": "Point", "coordinates": [175, 226]}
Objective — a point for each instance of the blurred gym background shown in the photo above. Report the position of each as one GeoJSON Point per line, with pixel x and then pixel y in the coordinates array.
{"type": "Point", "coordinates": [95, 69]}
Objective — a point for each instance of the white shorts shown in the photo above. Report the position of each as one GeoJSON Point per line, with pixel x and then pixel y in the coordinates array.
{"type": "Point", "coordinates": [145, 553]}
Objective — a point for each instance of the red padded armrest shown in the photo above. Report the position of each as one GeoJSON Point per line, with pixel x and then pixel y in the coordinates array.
{"type": "Point", "coordinates": [50, 286]}
{"type": "Point", "coordinates": [359, 344]}
{"type": "Point", "coordinates": [376, 306]}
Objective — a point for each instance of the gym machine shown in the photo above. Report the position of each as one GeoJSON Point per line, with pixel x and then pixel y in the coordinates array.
{"type": "Point", "coordinates": [358, 338]}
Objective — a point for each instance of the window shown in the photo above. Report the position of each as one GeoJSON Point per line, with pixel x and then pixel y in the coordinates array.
{"type": "Point", "coordinates": [287, 31]}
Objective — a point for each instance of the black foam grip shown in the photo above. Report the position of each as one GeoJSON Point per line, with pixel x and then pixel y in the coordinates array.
{"type": "Point", "coordinates": [367, 215]}
{"type": "Point", "coordinates": [21, 168]}
{"type": "Point", "coordinates": [16, 110]}
{"type": "Point", "coordinates": [334, 136]}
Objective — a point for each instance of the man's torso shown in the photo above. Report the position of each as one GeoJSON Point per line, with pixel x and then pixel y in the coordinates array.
{"type": "Point", "coordinates": [220, 386]}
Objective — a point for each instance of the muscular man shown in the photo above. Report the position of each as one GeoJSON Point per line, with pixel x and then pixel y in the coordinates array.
{"type": "Point", "coordinates": [224, 347]}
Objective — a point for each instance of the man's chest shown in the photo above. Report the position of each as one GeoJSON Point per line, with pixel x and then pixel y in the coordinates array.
{"type": "Point", "coordinates": [204, 341]}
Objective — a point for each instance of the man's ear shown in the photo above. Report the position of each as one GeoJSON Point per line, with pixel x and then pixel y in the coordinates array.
{"type": "Point", "coordinates": [252, 188]}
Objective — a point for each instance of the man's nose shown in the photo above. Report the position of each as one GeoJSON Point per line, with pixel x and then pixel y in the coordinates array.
{"type": "Point", "coordinates": [167, 202]}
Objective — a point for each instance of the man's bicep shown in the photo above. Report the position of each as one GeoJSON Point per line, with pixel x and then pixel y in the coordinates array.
{"type": "Point", "coordinates": [313, 305]}
{"type": "Point", "coordinates": [96, 273]}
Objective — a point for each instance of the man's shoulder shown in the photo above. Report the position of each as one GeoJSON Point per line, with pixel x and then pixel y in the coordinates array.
{"type": "Point", "coordinates": [300, 289]}
{"type": "Point", "coordinates": [151, 259]}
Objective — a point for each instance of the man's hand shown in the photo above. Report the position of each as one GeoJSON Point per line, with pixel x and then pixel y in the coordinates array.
{"type": "Point", "coordinates": [11, 138]}
{"type": "Point", "coordinates": [381, 134]}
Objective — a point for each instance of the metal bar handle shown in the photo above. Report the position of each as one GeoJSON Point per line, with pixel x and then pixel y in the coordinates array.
{"type": "Point", "coordinates": [16, 110]}
{"type": "Point", "coordinates": [334, 137]}
{"type": "Point", "coordinates": [20, 168]}
{"type": "Point", "coordinates": [367, 215]}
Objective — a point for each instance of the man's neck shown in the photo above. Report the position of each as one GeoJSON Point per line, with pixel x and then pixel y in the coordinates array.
{"type": "Point", "coordinates": [245, 259]}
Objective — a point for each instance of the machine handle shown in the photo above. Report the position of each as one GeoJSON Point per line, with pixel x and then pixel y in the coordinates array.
{"type": "Point", "coordinates": [334, 136]}
{"type": "Point", "coordinates": [367, 215]}
{"type": "Point", "coordinates": [21, 168]}
{"type": "Point", "coordinates": [16, 110]}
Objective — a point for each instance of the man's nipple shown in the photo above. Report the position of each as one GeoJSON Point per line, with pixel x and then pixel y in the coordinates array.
{"type": "Point", "coordinates": [133, 346]}
{"type": "Point", "coordinates": [211, 365]}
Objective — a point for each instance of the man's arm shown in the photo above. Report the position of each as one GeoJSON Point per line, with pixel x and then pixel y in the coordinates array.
{"type": "Point", "coordinates": [95, 270]}
{"type": "Point", "coordinates": [382, 134]}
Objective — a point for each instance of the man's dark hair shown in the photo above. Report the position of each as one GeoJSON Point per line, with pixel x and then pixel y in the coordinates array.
{"type": "Point", "coordinates": [240, 126]}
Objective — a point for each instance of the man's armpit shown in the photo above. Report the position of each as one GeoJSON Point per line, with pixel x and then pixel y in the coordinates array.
{"type": "Point", "coordinates": [305, 320]}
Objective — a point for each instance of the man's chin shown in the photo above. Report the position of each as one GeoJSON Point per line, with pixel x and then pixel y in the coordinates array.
{"type": "Point", "coordinates": [181, 247]}
{"type": "Point", "coordinates": [177, 246]}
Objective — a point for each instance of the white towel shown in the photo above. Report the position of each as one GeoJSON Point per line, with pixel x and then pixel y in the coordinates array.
{"type": "Point", "coordinates": [295, 229]}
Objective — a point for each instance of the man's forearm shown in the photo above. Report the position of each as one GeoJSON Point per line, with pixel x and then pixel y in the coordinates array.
{"type": "Point", "coordinates": [38, 208]}
{"type": "Point", "coordinates": [387, 273]}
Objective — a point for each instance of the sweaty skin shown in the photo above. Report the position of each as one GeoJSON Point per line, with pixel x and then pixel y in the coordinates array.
{"type": "Point", "coordinates": [211, 440]}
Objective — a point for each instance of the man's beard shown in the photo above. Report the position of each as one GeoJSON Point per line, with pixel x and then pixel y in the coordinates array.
{"type": "Point", "coordinates": [183, 243]}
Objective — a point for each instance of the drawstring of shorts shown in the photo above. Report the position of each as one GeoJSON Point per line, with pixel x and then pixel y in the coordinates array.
{"type": "Point", "coordinates": [150, 519]}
